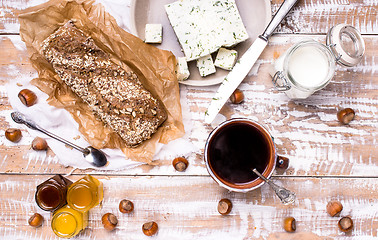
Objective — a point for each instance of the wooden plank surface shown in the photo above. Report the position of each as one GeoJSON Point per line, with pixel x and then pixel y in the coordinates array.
{"type": "Point", "coordinates": [306, 131]}
{"type": "Point", "coordinates": [311, 16]}
{"type": "Point", "coordinates": [186, 208]}
{"type": "Point", "coordinates": [328, 160]}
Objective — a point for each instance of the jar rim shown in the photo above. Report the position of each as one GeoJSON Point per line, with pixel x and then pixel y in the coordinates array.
{"type": "Point", "coordinates": [321, 47]}
{"type": "Point", "coordinates": [346, 54]}
{"type": "Point", "coordinates": [41, 203]}
{"type": "Point", "coordinates": [72, 190]}
{"type": "Point", "coordinates": [68, 235]}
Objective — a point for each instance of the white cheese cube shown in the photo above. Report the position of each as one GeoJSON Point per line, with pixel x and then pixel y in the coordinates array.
{"type": "Point", "coordinates": [203, 26]}
{"type": "Point", "coordinates": [205, 65]}
{"type": "Point", "coordinates": [153, 33]}
{"type": "Point", "coordinates": [182, 69]}
{"type": "Point", "coordinates": [226, 59]}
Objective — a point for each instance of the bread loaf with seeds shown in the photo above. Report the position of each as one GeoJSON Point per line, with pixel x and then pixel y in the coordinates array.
{"type": "Point", "coordinates": [115, 95]}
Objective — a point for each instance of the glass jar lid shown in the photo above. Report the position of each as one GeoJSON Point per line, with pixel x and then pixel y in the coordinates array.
{"type": "Point", "coordinates": [346, 43]}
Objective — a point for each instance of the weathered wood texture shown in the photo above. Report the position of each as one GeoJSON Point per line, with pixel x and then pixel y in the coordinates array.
{"type": "Point", "coordinates": [308, 16]}
{"type": "Point", "coordinates": [307, 131]}
{"type": "Point", "coordinates": [184, 204]}
{"type": "Point", "coordinates": [186, 208]}
{"type": "Point", "coordinates": [311, 16]}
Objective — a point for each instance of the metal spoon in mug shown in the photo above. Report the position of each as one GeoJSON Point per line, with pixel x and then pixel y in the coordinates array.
{"type": "Point", "coordinates": [94, 156]}
{"type": "Point", "coordinates": [286, 196]}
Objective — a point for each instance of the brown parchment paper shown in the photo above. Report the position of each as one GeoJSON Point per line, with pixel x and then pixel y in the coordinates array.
{"type": "Point", "coordinates": [155, 68]}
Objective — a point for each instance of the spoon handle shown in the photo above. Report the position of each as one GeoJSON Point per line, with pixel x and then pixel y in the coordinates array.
{"type": "Point", "coordinates": [21, 118]}
{"type": "Point", "coordinates": [286, 196]}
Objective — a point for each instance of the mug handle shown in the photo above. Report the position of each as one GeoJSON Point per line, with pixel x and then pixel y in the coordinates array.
{"type": "Point", "coordinates": [282, 162]}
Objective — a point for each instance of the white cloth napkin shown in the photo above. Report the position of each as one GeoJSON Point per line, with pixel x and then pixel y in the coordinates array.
{"type": "Point", "coordinates": [59, 122]}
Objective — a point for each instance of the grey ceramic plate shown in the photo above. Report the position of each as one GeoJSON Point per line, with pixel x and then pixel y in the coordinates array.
{"type": "Point", "coordinates": [256, 14]}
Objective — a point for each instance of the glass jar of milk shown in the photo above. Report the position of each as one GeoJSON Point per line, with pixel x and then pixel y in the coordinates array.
{"type": "Point", "coordinates": [308, 66]}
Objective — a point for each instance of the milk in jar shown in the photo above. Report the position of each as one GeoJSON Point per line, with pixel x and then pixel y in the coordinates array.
{"type": "Point", "coordinates": [309, 66]}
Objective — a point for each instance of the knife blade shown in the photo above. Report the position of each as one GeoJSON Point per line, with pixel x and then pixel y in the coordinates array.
{"type": "Point", "coordinates": [245, 63]}
{"type": "Point", "coordinates": [234, 78]}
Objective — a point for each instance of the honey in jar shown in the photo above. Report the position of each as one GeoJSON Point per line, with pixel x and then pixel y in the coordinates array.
{"type": "Point", "coordinates": [51, 194]}
{"type": "Point", "coordinates": [67, 222]}
{"type": "Point", "coordinates": [85, 193]}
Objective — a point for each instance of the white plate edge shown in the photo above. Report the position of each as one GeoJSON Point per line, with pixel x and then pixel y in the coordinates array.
{"type": "Point", "coordinates": [132, 18]}
{"type": "Point", "coordinates": [200, 82]}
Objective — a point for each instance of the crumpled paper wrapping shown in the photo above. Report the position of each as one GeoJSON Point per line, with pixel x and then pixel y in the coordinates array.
{"type": "Point", "coordinates": [155, 68]}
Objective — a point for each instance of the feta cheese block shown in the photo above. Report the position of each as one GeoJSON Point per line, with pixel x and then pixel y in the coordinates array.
{"type": "Point", "coordinates": [182, 70]}
{"type": "Point", "coordinates": [206, 65]}
{"type": "Point", "coordinates": [153, 33]}
{"type": "Point", "coordinates": [226, 59]}
{"type": "Point", "coordinates": [203, 26]}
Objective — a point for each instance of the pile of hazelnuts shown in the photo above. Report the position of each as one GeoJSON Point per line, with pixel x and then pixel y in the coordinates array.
{"type": "Point", "coordinates": [109, 220]}
{"type": "Point", "coordinates": [333, 209]}
{"type": "Point", "coordinates": [28, 98]}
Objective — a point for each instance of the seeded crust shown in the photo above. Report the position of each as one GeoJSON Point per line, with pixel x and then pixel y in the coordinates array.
{"type": "Point", "coordinates": [116, 96]}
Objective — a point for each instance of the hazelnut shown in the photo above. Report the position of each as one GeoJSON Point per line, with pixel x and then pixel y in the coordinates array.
{"type": "Point", "coordinates": [334, 208]}
{"type": "Point", "coordinates": [282, 162]}
{"type": "Point", "coordinates": [150, 228]}
{"type": "Point", "coordinates": [126, 206]}
{"type": "Point", "coordinates": [345, 224]}
{"type": "Point", "coordinates": [345, 116]}
{"type": "Point", "coordinates": [180, 164]}
{"type": "Point", "coordinates": [36, 220]}
{"type": "Point", "coordinates": [27, 97]}
{"type": "Point", "coordinates": [289, 224]}
{"type": "Point", "coordinates": [13, 134]}
{"type": "Point", "coordinates": [224, 206]}
{"type": "Point", "coordinates": [39, 144]}
{"type": "Point", "coordinates": [237, 96]}
{"type": "Point", "coordinates": [110, 221]}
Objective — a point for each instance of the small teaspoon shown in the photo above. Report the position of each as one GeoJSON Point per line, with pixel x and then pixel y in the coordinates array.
{"type": "Point", "coordinates": [94, 156]}
{"type": "Point", "coordinates": [287, 197]}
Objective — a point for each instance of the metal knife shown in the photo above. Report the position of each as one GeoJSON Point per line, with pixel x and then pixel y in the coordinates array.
{"type": "Point", "coordinates": [246, 62]}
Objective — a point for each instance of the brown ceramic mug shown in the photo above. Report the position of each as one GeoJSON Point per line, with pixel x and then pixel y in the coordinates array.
{"type": "Point", "coordinates": [236, 147]}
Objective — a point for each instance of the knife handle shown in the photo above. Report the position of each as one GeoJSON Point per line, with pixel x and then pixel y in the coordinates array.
{"type": "Point", "coordinates": [284, 9]}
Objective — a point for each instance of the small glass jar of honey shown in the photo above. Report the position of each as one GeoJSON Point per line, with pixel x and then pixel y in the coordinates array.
{"type": "Point", "coordinates": [51, 194]}
{"type": "Point", "coordinates": [67, 222]}
{"type": "Point", "coordinates": [85, 193]}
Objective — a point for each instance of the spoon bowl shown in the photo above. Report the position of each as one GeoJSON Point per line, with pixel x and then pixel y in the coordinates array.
{"type": "Point", "coordinates": [95, 157]}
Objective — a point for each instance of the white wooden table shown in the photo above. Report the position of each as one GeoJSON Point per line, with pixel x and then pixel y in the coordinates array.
{"type": "Point", "coordinates": [328, 160]}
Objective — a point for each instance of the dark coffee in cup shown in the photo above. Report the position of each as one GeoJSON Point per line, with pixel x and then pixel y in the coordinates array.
{"type": "Point", "coordinates": [236, 147]}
